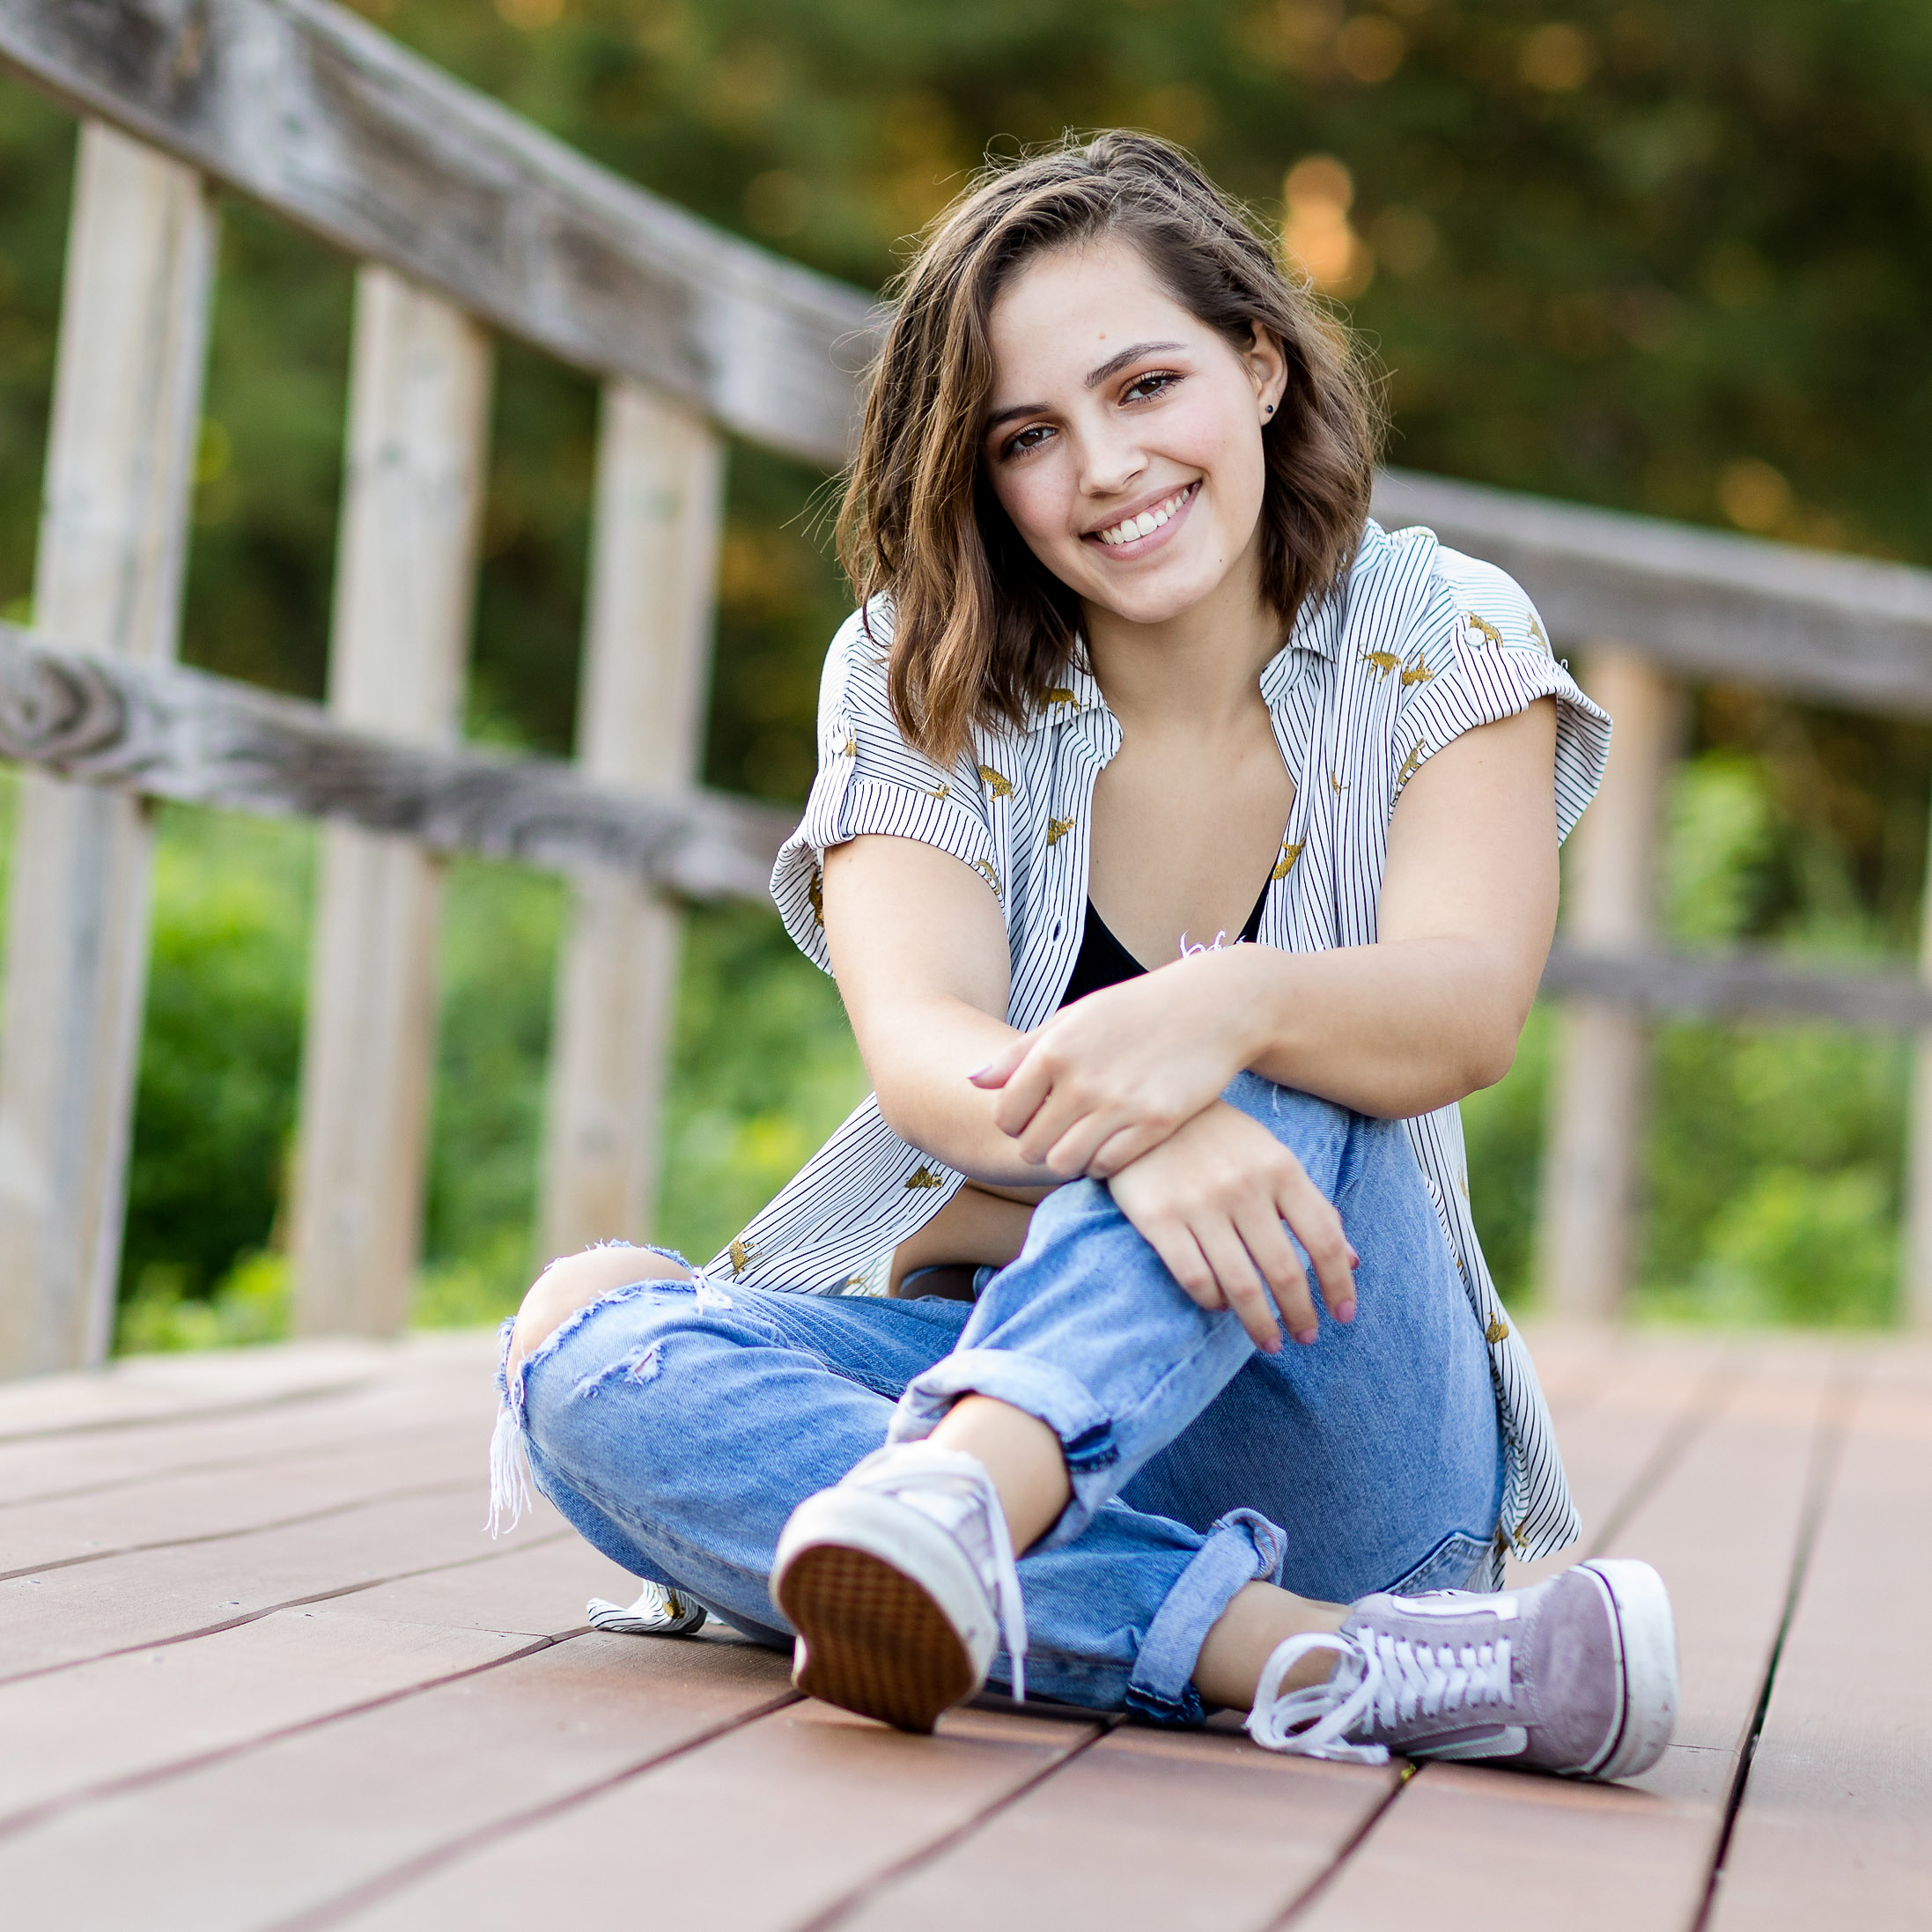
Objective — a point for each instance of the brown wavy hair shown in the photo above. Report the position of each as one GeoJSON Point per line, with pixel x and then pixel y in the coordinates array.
{"type": "Point", "coordinates": [981, 629]}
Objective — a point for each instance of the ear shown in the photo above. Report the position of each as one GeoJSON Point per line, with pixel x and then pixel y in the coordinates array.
{"type": "Point", "coordinates": [1268, 369]}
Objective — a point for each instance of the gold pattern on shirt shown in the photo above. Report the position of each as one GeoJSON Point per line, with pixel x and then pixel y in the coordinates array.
{"type": "Point", "coordinates": [815, 892]}
{"type": "Point", "coordinates": [1535, 632]}
{"type": "Point", "coordinates": [1498, 1330]}
{"type": "Point", "coordinates": [1290, 853]}
{"type": "Point", "coordinates": [988, 874]}
{"type": "Point", "coordinates": [1410, 765]}
{"type": "Point", "coordinates": [1056, 829]}
{"type": "Point", "coordinates": [924, 1176]}
{"type": "Point", "coordinates": [1490, 634]}
{"type": "Point", "coordinates": [1420, 674]}
{"type": "Point", "coordinates": [1338, 785]}
{"type": "Point", "coordinates": [740, 1253]}
{"type": "Point", "coordinates": [1385, 661]}
{"type": "Point", "coordinates": [849, 748]}
{"type": "Point", "coordinates": [996, 781]}
{"type": "Point", "coordinates": [1060, 695]}
{"type": "Point", "coordinates": [937, 791]}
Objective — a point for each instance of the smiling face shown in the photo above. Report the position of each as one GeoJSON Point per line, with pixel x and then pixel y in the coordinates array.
{"type": "Point", "coordinates": [1123, 435]}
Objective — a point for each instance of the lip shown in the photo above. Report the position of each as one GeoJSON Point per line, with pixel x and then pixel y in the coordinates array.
{"type": "Point", "coordinates": [1142, 546]}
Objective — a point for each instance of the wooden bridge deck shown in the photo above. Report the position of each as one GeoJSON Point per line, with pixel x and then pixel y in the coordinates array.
{"type": "Point", "coordinates": [259, 1668]}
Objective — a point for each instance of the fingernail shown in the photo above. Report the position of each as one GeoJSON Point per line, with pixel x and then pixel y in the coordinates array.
{"type": "Point", "coordinates": [1345, 1311]}
{"type": "Point", "coordinates": [1354, 1259]}
{"type": "Point", "coordinates": [1307, 1336]}
{"type": "Point", "coordinates": [1272, 1346]}
{"type": "Point", "coordinates": [977, 1077]}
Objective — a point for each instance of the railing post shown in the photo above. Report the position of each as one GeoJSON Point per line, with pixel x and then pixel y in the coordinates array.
{"type": "Point", "coordinates": [1916, 1273]}
{"type": "Point", "coordinates": [114, 539]}
{"type": "Point", "coordinates": [640, 722]}
{"type": "Point", "coordinates": [1587, 1219]}
{"type": "Point", "coordinates": [419, 410]}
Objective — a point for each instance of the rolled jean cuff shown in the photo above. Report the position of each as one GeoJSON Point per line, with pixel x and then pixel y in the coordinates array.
{"type": "Point", "coordinates": [1043, 1391]}
{"type": "Point", "coordinates": [1242, 1548]}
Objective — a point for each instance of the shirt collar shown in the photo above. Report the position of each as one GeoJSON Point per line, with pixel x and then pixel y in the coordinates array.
{"type": "Point", "coordinates": [1317, 627]}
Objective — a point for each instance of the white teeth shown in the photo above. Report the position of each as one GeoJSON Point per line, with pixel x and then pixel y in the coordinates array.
{"type": "Point", "coordinates": [1147, 523]}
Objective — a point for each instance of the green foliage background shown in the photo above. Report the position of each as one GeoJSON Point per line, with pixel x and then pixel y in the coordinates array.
{"type": "Point", "coordinates": [1674, 259]}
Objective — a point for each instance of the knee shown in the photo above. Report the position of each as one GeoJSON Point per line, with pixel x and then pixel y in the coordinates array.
{"type": "Point", "coordinates": [575, 1281]}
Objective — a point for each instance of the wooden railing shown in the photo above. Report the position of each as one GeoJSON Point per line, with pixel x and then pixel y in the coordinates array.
{"type": "Point", "coordinates": [463, 216]}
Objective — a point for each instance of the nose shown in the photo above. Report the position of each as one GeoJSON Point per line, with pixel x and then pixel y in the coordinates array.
{"type": "Point", "coordinates": [1111, 460]}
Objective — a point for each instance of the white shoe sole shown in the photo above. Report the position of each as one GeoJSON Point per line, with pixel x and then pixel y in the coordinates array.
{"type": "Point", "coordinates": [1646, 1636]}
{"type": "Point", "coordinates": [892, 1620]}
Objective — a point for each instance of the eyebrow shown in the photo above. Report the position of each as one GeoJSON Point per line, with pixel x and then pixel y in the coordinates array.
{"type": "Point", "coordinates": [1112, 366]}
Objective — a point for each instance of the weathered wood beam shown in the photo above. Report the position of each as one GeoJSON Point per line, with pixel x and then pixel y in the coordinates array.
{"type": "Point", "coordinates": [640, 727]}
{"type": "Point", "coordinates": [419, 384]}
{"type": "Point", "coordinates": [308, 109]}
{"type": "Point", "coordinates": [1746, 985]}
{"type": "Point", "coordinates": [113, 541]}
{"type": "Point", "coordinates": [177, 734]}
{"type": "Point", "coordinates": [1700, 603]}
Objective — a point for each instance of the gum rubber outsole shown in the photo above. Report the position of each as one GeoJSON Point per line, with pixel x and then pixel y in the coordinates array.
{"type": "Point", "coordinates": [870, 1640]}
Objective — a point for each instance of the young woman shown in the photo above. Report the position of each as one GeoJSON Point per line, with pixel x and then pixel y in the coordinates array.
{"type": "Point", "coordinates": [1184, 847]}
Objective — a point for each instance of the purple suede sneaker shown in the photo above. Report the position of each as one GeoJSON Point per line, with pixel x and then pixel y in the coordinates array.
{"type": "Point", "coordinates": [1577, 1676]}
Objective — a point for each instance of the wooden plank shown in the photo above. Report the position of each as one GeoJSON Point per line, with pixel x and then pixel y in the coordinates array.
{"type": "Point", "coordinates": [150, 1712]}
{"type": "Point", "coordinates": [772, 1825]}
{"type": "Point", "coordinates": [55, 1620]}
{"type": "Point", "coordinates": [406, 565]}
{"type": "Point", "coordinates": [179, 734]}
{"type": "Point", "coordinates": [1586, 1222]}
{"type": "Point", "coordinates": [114, 526]}
{"type": "Point", "coordinates": [315, 1814]}
{"type": "Point", "coordinates": [1622, 1444]}
{"type": "Point", "coordinates": [640, 719]}
{"type": "Point", "coordinates": [310, 110]}
{"type": "Point", "coordinates": [80, 1463]}
{"type": "Point", "coordinates": [206, 1507]}
{"type": "Point", "coordinates": [1833, 1827]}
{"type": "Point", "coordinates": [1699, 603]}
{"type": "Point", "coordinates": [1175, 1829]}
{"type": "Point", "coordinates": [1722, 1528]}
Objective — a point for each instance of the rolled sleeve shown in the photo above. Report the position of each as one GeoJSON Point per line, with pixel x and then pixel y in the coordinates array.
{"type": "Point", "coordinates": [1485, 656]}
{"type": "Point", "coordinates": [871, 780]}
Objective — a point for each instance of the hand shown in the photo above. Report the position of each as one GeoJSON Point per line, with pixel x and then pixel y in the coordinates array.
{"type": "Point", "coordinates": [1210, 1201]}
{"type": "Point", "coordinates": [1108, 1079]}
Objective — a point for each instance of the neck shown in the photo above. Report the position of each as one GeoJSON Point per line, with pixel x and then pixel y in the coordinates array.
{"type": "Point", "coordinates": [1196, 669]}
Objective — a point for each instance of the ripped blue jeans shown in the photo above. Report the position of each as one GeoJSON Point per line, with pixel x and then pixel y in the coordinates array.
{"type": "Point", "coordinates": [677, 1433]}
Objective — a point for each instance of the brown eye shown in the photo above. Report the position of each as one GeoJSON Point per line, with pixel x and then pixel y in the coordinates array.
{"type": "Point", "coordinates": [1026, 440]}
{"type": "Point", "coordinates": [1144, 388]}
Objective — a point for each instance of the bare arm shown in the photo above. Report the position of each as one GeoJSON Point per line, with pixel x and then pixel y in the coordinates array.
{"type": "Point", "coordinates": [920, 952]}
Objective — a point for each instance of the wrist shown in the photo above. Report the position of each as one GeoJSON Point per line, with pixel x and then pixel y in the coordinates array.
{"type": "Point", "coordinates": [1227, 995]}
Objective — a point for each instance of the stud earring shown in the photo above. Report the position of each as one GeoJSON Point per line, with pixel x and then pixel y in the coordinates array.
{"type": "Point", "coordinates": [1267, 408]}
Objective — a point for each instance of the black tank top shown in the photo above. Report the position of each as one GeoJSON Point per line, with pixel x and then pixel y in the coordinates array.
{"type": "Point", "coordinates": [1104, 961]}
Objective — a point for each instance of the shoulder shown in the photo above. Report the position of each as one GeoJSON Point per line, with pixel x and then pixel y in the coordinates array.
{"type": "Point", "coordinates": [853, 683]}
{"type": "Point", "coordinates": [1411, 576]}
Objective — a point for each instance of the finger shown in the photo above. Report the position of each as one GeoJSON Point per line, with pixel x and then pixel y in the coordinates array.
{"type": "Point", "coordinates": [999, 1069]}
{"type": "Point", "coordinates": [1318, 1228]}
{"type": "Point", "coordinates": [1181, 1255]}
{"type": "Point", "coordinates": [1025, 1092]}
{"type": "Point", "coordinates": [1123, 1148]}
{"type": "Point", "coordinates": [1234, 1269]}
{"type": "Point", "coordinates": [1058, 1114]}
{"type": "Point", "coordinates": [1266, 1241]}
{"type": "Point", "coordinates": [1074, 1153]}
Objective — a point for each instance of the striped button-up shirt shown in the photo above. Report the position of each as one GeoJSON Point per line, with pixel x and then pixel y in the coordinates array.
{"type": "Point", "coordinates": [1419, 646]}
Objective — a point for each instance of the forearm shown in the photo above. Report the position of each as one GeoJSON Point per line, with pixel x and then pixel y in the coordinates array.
{"type": "Point", "coordinates": [1392, 1030]}
{"type": "Point", "coordinates": [920, 1058]}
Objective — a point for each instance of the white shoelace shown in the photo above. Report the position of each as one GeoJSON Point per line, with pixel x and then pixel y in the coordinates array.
{"type": "Point", "coordinates": [1392, 1678]}
{"type": "Point", "coordinates": [964, 1479]}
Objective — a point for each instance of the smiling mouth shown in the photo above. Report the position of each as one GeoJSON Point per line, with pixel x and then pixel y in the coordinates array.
{"type": "Point", "coordinates": [1132, 529]}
